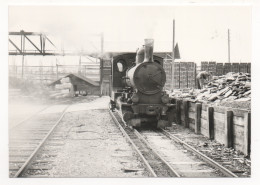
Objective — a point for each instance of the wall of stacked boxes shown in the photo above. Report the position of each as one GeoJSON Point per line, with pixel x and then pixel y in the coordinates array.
{"type": "Point", "coordinates": [105, 73]}
{"type": "Point", "coordinates": [218, 69]}
{"type": "Point", "coordinates": [185, 72]}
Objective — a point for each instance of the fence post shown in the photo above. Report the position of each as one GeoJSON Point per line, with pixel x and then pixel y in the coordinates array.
{"type": "Point", "coordinates": [195, 75]}
{"type": "Point", "coordinates": [57, 71]}
{"type": "Point", "coordinates": [198, 108]}
{"type": "Point", "coordinates": [186, 113]}
{"type": "Point", "coordinates": [247, 133]}
{"type": "Point", "coordinates": [178, 112]}
{"type": "Point", "coordinates": [187, 74]}
{"type": "Point", "coordinates": [211, 122]}
{"type": "Point", "coordinates": [16, 71]}
{"type": "Point", "coordinates": [22, 66]}
{"type": "Point", "coordinates": [229, 129]}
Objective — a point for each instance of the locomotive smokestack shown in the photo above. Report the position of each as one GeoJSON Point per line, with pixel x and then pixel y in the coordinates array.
{"type": "Point", "coordinates": [148, 50]}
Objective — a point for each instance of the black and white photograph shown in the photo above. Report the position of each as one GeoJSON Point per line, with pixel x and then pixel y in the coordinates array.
{"type": "Point", "coordinates": [129, 91]}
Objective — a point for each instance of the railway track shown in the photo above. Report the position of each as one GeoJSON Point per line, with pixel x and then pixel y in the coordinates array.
{"type": "Point", "coordinates": [154, 163]}
{"type": "Point", "coordinates": [203, 157]}
{"type": "Point", "coordinates": [35, 114]}
{"type": "Point", "coordinates": [164, 155]}
{"type": "Point", "coordinates": [27, 139]}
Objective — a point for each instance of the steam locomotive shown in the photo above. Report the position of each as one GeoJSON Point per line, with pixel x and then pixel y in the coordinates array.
{"type": "Point", "coordinates": [136, 88]}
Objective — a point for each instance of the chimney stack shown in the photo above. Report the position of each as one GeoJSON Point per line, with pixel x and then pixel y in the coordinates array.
{"type": "Point", "coordinates": [148, 50]}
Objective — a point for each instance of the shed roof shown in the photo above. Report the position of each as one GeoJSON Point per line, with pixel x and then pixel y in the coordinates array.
{"type": "Point", "coordinates": [78, 76]}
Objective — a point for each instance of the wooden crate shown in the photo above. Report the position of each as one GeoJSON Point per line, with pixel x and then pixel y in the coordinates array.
{"type": "Point", "coordinates": [212, 68]}
{"type": "Point", "coordinates": [219, 69]}
{"type": "Point", "coordinates": [227, 68]}
{"type": "Point", "coordinates": [204, 66]}
{"type": "Point", "coordinates": [249, 68]}
{"type": "Point", "coordinates": [235, 67]}
{"type": "Point", "coordinates": [184, 75]}
{"type": "Point", "coordinates": [243, 67]}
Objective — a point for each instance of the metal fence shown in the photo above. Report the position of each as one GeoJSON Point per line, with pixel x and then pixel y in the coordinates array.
{"type": "Point", "coordinates": [47, 74]}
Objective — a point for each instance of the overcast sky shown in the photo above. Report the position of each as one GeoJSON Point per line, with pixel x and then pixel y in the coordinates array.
{"type": "Point", "coordinates": [201, 31]}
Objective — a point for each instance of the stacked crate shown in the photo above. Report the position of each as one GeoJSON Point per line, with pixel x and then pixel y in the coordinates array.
{"type": "Point", "coordinates": [243, 67]}
{"type": "Point", "coordinates": [176, 82]}
{"type": "Point", "coordinates": [167, 68]}
{"type": "Point", "coordinates": [249, 68]}
{"type": "Point", "coordinates": [219, 69]}
{"type": "Point", "coordinates": [191, 72]}
{"type": "Point", "coordinates": [204, 66]}
{"type": "Point", "coordinates": [212, 68]}
{"type": "Point", "coordinates": [235, 67]}
{"type": "Point", "coordinates": [183, 75]}
{"type": "Point", "coordinates": [227, 68]}
{"type": "Point", "coordinates": [105, 70]}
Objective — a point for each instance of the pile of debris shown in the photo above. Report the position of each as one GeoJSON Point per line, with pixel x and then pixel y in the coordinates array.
{"type": "Point", "coordinates": [63, 89]}
{"type": "Point", "coordinates": [184, 93]}
{"type": "Point", "coordinates": [230, 87]}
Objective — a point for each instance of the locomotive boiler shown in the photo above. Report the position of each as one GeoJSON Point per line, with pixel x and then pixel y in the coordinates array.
{"type": "Point", "coordinates": [137, 88]}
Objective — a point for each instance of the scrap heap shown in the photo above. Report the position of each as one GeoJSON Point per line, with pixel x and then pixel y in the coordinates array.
{"type": "Point", "coordinates": [232, 87]}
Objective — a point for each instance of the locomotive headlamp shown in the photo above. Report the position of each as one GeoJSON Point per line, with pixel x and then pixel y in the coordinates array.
{"type": "Point", "coordinates": [165, 98]}
{"type": "Point", "coordinates": [135, 98]}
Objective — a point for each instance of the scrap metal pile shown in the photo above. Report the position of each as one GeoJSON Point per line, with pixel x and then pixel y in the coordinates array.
{"type": "Point", "coordinates": [232, 87]}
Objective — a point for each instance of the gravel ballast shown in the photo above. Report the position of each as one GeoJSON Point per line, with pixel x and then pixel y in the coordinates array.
{"type": "Point", "coordinates": [233, 160]}
{"type": "Point", "coordinates": [94, 147]}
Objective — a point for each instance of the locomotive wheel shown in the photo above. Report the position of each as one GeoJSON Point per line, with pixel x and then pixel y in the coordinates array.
{"type": "Point", "coordinates": [162, 123]}
{"type": "Point", "coordinates": [127, 116]}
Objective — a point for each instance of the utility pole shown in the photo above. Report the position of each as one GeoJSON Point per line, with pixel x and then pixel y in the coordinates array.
{"type": "Point", "coordinates": [57, 69]}
{"type": "Point", "coordinates": [101, 63]}
{"type": "Point", "coordinates": [22, 48]}
{"type": "Point", "coordinates": [22, 65]}
{"type": "Point", "coordinates": [228, 46]}
{"type": "Point", "coordinates": [41, 75]}
{"type": "Point", "coordinates": [172, 66]}
{"type": "Point", "coordinates": [102, 43]}
{"type": "Point", "coordinates": [79, 70]}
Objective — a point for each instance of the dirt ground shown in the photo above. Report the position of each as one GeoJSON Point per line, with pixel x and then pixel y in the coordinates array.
{"type": "Point", "coordinates": [94, 148]}
{"type": "Point", "coordinates": [21, 109]}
